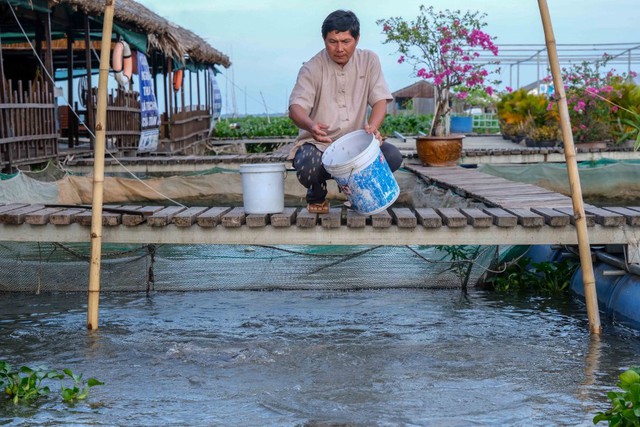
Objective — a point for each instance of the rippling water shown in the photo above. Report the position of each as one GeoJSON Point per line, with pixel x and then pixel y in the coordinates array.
{"type": "Point", "coordinates": [287, 358]}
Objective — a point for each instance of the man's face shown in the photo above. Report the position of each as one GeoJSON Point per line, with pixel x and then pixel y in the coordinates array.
{"type": "Point", "coordinates": [340, 46]}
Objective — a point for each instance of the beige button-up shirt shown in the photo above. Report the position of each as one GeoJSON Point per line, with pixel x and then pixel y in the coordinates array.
{"type": "Point", "coordinates": [338, 96]}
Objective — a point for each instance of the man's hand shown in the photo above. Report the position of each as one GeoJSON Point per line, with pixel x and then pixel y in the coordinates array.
{"type": "Point", "coordinates": [373, 131]}
{"type": "Point", "coordinates": [318, 131]}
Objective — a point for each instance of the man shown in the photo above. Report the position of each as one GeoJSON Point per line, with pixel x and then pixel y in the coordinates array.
{"type": "Point", "coordinates": [330, 99]}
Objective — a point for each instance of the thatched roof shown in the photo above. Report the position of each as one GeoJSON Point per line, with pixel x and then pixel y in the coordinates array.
{"type": "Point", "coordinates": [420, 89]}
{"type": "Point", "coordinates": [162, 35]}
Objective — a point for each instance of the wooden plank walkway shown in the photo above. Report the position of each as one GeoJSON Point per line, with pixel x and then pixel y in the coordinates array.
{"type": "Point", "coordinates": [489, 189]}
{"type": "Point", "coordinates": [470, 156]}
{"type": "Point", "coordinates": [295, 225]}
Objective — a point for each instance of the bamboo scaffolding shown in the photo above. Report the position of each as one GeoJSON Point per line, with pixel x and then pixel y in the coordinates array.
{"type": "Point", "coordinates": [98, 171]}
{"type": "Point", "coordinates": [584, 248]}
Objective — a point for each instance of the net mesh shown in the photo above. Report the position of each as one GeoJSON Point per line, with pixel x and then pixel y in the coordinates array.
{"type": "Point", "coordinates": [48, 267]}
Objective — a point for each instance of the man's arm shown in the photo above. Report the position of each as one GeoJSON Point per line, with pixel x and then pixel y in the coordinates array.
{"type": "Point", "coordinates": [300, 117]}
{"type": "Point", "coordinates": [378, 112]}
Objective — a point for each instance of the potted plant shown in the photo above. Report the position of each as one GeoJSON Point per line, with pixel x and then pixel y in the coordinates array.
{"type": "Point", "coordinates": [543, 136]}
{"type": "Point", "coordinates": [443, 47]}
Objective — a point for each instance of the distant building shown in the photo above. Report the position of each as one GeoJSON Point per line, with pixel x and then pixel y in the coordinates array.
{"type": "Point", "coordinates": [417, 98]}
{"type": "Point", "coordinates": [539, 87]}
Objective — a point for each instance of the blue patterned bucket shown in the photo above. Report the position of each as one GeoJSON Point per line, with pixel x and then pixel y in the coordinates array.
{"type": "Point", "coordinates": [362, 173]}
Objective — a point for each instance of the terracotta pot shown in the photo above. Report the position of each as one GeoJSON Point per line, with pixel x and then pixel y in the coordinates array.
{"type": "Point", "coordinates": [439, 150]}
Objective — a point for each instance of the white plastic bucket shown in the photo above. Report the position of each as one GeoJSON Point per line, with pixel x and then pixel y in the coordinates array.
{"type": "Point", "coordinates": [263, 187]}
{"type": "Point", "coordinates": [361, 171]}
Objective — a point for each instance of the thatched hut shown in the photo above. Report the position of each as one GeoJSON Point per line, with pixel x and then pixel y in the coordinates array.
{"type": "Point", "coordinates": [47, 42]}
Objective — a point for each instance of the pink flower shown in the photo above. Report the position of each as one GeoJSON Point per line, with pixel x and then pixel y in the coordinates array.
{"type": "Point", "coordinates": [401, 59]}
{"type": "Point", "coordinates": [509, 89]}
{"type": "Point", "coordinates": [489, 90]}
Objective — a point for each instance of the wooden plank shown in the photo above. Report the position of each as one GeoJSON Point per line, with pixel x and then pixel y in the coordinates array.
{"type": "Point", "coordinates": [632, 216]}
{"type": "Point", "coordinates": [404, 217]}
{"type": "Point", "coordinates": [306, 219]}
{"type": "Point", "coordinates": [131, 220]}
{"type": "Point", "coordinates": [333, 219]}
{"type": "Point", "coordinates": [188, 217]}
{"type": "Point", "coordinates": [12, 206]}
{"type": "Point", "coordinates": [502, 218]}
{"type": "Point", "coordinates": [451, 217]}
{"type": "Point", "coordinates": [65, 216]}
{"type": "Point", "coordinates": [524, 203]}
{"type": "Point", "coordinates": [109, 219]}
{"type": "Point", "coordinates": [284, 219]}
{"type": "Point", "coordinates": [526, 218]}
{"type": "Point", "coordinates": [606, 218]}
{"type": "Point", "coordinates": [257, 220]}
{"type": "Point", "coordinates": [164, 216]}
{"type": "Point", "coordinates": [211, 217]}
{"type": "Point", "coordinates": [477, 218]}
{"type": "Point", "coordinates": [235, 218]}
{"type": "Point", "coordinates": [40, 217]}
{"type": "Point", "coordinates": [590, 219]}
{"type": "Point", "coordinates": [553, 217]}
{"type": "Point", "coordinates": [17, 216]}
{"type": "Point", "coordinates": [429, 218]}
{"type": "Point", "coordinates": [381, 220]}
{"type": "Point", "coordinates": [356, 219]}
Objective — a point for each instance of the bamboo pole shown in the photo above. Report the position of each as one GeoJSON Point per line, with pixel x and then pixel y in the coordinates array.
{"type": "Point", "coordinates": [98, 168]}
{"type": "Point", "coordinates": [588, 279]}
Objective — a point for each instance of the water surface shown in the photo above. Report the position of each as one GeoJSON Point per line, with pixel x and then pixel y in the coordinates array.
{"type": "Point", "coordinates": [390, 357]}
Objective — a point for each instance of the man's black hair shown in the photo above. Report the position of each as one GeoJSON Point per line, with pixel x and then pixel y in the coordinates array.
{"type": "Point", "coordinates": [341, 21]}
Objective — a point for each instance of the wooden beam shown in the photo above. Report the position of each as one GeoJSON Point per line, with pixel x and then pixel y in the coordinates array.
{"type": "Point", "coordinates": [316, 235]}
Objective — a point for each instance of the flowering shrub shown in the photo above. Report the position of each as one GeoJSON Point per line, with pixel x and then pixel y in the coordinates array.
{"type": "Point", "coordinates": [593, 98]}
{"type": "Point", "coordinates": [444, 48]}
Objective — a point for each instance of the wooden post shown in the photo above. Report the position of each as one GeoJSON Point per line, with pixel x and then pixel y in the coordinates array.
{"type": "Point", "coordinates": [88, 105]}
{"type": "Point", "coordinates": [2, 88]}
{"type": "Point", "coordinates": [198, 88]}
{"type": "Point", "coordinates": [584, 249]}
{"type": "Point", "coordinates": [48, 61]}
{"type": "Point", "coordinates": [70, 116]}
{"type": "Point", "coordinates": [98, 168]}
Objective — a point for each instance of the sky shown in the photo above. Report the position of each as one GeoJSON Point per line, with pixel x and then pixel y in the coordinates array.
{"type": "Point", "coordinates": [268, 40]}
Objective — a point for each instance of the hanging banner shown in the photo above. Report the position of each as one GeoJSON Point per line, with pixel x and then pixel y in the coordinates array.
{"type": "Point", "coordinates": [148, 108]}
{"type": "Point", "coordinates": [216, 96]}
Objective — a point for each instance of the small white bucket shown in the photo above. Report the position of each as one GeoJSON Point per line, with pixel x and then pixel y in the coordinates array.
{"type": "Point", "coordinates": [263, 187]}
{"type": "Point", "coordinates": [361, 171]}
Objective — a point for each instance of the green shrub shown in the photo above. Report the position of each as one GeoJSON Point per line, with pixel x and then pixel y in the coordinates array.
{"type": "Point", "coordinates": [548, 278]}
{"type": "Point", "coordinates": [406, 124]}
{"type": "Point", "coordinates": [27, 385]}
{"type": "Point", "coordinates": [625, 404]}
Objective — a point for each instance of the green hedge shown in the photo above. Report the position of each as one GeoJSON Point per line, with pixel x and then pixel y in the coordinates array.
{"type": "Point", "coordinates": [282, 126]}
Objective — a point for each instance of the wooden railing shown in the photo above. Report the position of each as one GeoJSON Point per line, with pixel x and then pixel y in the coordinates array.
{"type": "Point", "coordinates": [27, 125]}
{"type": "Point", "coordinates": [186, 131]}
{"type": "Point", "coordinates": [123, 120]}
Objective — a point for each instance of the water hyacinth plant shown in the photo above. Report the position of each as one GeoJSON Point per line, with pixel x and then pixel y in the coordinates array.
{"type": "Point", "coordinates": [27, 385]}
{"type": "Point", "coordinates": [444, 48]}
{"type": "Point", "coordinates": [625, 404]}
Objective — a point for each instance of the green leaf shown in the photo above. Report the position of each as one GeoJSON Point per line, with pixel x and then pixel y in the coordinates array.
{"type": "Point", "coordinates": [600, 417]}
{"type": "Point", "coordinates": [68, 394]}
{"type": "Point", "coordinates": [629, 377]}
{"type": "Point", "coordinates": [94, 382]}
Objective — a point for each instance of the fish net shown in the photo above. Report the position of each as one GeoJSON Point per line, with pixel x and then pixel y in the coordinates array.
{"type": "Point", "coordinates": [57, 267]}
{"type": "Point", "coordinates": [51, 267]}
